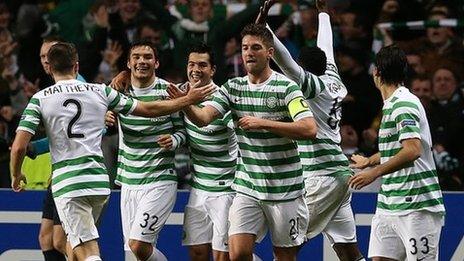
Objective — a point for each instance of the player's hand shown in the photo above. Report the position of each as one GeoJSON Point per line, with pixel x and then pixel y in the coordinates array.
{"type": "Point", "coordinates": [110, 119]}
{"type": "Point", "coordinates": [250, 123]}
{"type": "Point", "coordinates": [197, 94]}
{"type": "Point", "coordinates": [362, 179]}
{"type": "Point", "coordinates": [321, 6]}
{"type": "Point", "coordinates": [165, 141]}
{"type": "Point", "coordinates": [18, 182]}
{"type": "Point", "coordinates": [174, 92]}
{"type": "Point", "coordinates": [359, 162]}
{"type": "Point", "coordinates": [121, 82]}
{"type": "Point", "coordinates": [263, 12]}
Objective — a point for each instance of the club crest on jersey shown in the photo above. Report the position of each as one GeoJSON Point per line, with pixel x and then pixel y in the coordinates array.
{"type": "Point", "coordinates": [408, 122]}
{"type": "Point", "coordinates": [271, 102]}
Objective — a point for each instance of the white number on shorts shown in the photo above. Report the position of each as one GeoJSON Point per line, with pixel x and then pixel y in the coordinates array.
{"type": "Point", "coordinates": [146, 219]}
{"type": "Point", "coordinates": [294, 229]}
{"type": "Point", "coordinates": [425, 244]}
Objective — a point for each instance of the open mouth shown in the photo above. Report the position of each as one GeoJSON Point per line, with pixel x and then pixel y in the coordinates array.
{"type": "Point", "coordinates": [196, 76]}
{"type": "Point", "coordinates": [141, 69]}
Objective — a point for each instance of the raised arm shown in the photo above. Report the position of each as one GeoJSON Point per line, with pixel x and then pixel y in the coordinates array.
{"type": "Point", "coordinates": [285, 61]}
{"type": "Point", "coordinates": [325, 37]}
{"type": "Point", "coordinates": [281, 55]}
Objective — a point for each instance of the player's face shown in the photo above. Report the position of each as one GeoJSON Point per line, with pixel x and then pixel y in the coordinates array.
{"type": "Point", "coordinates": [199, 68]}
{"type": "Point", "coordinates": [142, 62]}
{"type": "Point", "coordinates": [43, 56]}
{"type": "Point", "coordinates": [255, 54]}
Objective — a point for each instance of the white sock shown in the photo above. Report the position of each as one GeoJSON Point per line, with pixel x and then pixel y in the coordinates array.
{"type": "Point", "coordinates": [93, 258]}
{"type": "Point", "coordinates": [157, 255]}
{"type": "Point", "coordinates": [256, 257]}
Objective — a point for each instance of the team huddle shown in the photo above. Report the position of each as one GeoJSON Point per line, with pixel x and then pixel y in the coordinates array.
{"type": "Point", "coordinates": [265, 150]}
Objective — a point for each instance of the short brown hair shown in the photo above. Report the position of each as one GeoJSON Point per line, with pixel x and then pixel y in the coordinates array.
{"type": "Point", "coordinates": [62, 57]}
{"type": "Point", "coordinates": [259, 30]}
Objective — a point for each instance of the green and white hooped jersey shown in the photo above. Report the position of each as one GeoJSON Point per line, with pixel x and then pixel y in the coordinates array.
{"type": "Point", "coordinates": [324, 156]}
{"type": "Point", "coordinates": [268, 165]}
{"type": "Point", "coordinates": [73, 113]}
{"type": "Point", "coordinates": [415, 187]}
{"type": "Point", "coordinates": [142, 162]}
{"type": "Point", "coordinates": [213, 150]}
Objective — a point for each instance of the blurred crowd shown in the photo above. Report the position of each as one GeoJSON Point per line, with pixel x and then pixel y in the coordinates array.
{"type": "Point", "coordinates": [103, 30]}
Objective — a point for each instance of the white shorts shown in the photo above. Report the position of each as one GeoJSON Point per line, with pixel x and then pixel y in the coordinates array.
{"type": "Point", "coordinates": [287, 220]}
{"type": "Point", "coordinates": [412, 237]}
{"type": "Point", "coordinates": [329, 205]}
{"type": "Point", "coordinates": [79, 215]}
{"type": "Point", "coordinates": [145, 211]}
{"type": "Point", "coordinates": [205, 220]}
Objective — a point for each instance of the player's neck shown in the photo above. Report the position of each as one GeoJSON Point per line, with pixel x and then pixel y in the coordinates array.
{"type": "Point", "coordinates": [261, 77]}
{"type": "Point", "coordinates": [142, 82]}
{"type": "Point", "coordinates": [63, 77]}
{"type": "Point", "coordinates": [387, 90]}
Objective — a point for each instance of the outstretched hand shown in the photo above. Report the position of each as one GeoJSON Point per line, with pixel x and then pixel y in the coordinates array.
{"type": "Point", "coordinates": [263, 12]}
{"type": "Point", "coordinates": [121, 82]}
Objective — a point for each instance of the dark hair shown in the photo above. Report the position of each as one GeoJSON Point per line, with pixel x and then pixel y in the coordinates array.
{"type": "Point", "coordinates": [259, 30]}
{"type": "Point", "coordinates": [313, 59]}
{"type": "Point", "coordinates": [143, 43]}
{"type": "Point", "coordinates": [52, 38]}
{"type": "Point", "coordinates": [62, 57]}
{"type": "Point", "coordinates": [392, 65]}
{"type": "Point", "coordinates": [203, 48]}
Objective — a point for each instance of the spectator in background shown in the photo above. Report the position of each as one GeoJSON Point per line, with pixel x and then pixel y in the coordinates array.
{"type": "Point", "coordinates": [363, 101]}
{"type": "Point", "coordinates": [441, 46]}
{"type": "Point", "coordinates": [415, 62]}
{"type": "Point", "coordinates": [352, 30]}
{"type": "Point", "coordinates": [150, 30]}
{"type": "Point", "coordinates": [234, 61]}
{"type": "Point", "coordinates": [350, 140]}
{"type": "Point", "coordinates": [421, 86]}
{"type": "Point", "coordinates": [446, 114]}
{"type": "Point", "coordinates": [202, 26]}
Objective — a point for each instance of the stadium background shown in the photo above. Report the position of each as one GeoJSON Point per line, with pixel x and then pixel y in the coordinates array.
{"type": "Point", "coordinates": [103, 29]}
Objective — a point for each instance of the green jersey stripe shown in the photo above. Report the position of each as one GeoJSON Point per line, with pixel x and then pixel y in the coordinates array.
{"type": "Point", "coordinates": [283, 147]}
{"type": "Point", "coordinates": [78, 172]}
{"type": "Point", "coordinates": [410, 192]}
{"type": "Point", "coordinates": [270, 162]}
{"type": "Point", "coordinates": [268, 189]}
{"type": "Point", "coordinates": [409, 206]}
{"type": "Point", "coordinates": [81, 186]}
{"type": "Point", "coordinates": [146, 157]}
{"type": "Point", "coordinates": [146, 180]}
{"type": "Point", "coordinates": [211, 188]}
{"type": "Point", "coordinates": [318, 153]}
{"type": "Point", "coordinates": [77, 161]}
{"type": "Point", "coordinates": [409, 178]}
{"type": "Point", "coordinates": [145, 169]}
{"type": "Point", "coordinates": [326, 165]}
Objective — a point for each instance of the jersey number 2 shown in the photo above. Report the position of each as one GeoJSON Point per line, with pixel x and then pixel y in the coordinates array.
{"type": "Point", "coordinates": [72, 135]}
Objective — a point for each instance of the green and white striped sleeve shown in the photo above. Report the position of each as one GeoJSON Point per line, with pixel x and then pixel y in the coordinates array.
{"type": "Point", "coordinates": [119, 102]}
{"type": "Point", "coordinates": [180, 134]}
{"type": "Point", "coordinates": [406, 115]}
{"type": "Point", "coordinates": [31, 116]}
{"type": "Point", "coordinates": [220, 100]}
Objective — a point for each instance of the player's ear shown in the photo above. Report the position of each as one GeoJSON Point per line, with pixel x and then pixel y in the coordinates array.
{"type": "Point", "coordinates": [128, 65]}
{"type": "Point", "coordinates": [157, 64]}
{"type": "Point", "coordinates": [213, 70]}
{"type": "Point", "coordinates": [270, 52]}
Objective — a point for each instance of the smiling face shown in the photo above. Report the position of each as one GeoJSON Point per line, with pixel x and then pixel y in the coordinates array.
{"type": "Point", "coordinates": [255, 54]}
{"type": "Point", "coordinates": [142, 63]}
{"type": "Point", "coordinates": [199, 68]}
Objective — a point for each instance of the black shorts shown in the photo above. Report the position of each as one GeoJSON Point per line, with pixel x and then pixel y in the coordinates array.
{"type": "Point", "coordinates": [49, 208]}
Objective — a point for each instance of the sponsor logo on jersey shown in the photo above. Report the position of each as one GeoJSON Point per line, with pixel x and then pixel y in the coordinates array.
{"type": "Point", "coordinates": [408, 122]}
